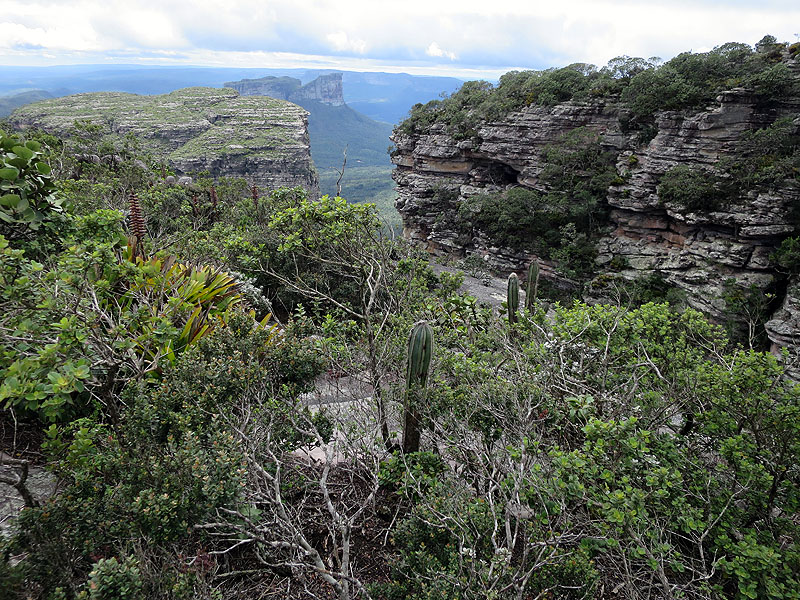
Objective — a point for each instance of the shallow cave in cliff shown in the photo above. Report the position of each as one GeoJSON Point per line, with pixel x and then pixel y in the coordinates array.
{"type": "Point", "coordinates": [495, 173]}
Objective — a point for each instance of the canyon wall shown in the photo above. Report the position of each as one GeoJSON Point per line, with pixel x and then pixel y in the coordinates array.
{"type": "Point", "coordinates": [704, 253]}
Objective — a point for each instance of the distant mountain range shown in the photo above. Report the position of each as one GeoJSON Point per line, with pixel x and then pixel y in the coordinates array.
{"type": "Point", "coordinates": [346, 109]}
{"type": "Point", "coordinates": [383, 97]}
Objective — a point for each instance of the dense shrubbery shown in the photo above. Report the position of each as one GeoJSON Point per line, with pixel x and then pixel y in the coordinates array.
{"type": "Point", "coordinates": [561, 222]}
{"type": "Point", "coordinates": [686, 81]}
{"type": "Point", "coordinates": [596, 449]}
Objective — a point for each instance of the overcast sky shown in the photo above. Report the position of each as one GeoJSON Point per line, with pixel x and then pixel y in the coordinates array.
{"type": "Point", "coordinates": [463, 38]}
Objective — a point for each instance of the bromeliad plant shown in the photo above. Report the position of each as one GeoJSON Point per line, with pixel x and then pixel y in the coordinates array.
{"type": "Point", "coordinates": [98, 316]}
{"type": "Point", "coordinates": [167, 295]}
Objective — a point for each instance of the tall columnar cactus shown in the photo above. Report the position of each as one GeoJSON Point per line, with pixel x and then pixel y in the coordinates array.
{"type": "Point", "coordinates": [513, 297]}
{"type": "Point", "coordinates": [420, 350]}
{"type": "Point", "coordinates": [533, 285]}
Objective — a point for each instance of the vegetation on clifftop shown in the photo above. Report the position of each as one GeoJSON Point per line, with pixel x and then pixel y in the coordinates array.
{"type": "Point", "coordinates": [690, 80]}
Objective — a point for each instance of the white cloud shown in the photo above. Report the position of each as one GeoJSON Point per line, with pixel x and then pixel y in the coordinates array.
{"type": "Point", "coordinates": [341, 42]}
{"type": "Point", "coordinates": [435, 51]}
{"type": "Point", "coordinates": [467, 33]}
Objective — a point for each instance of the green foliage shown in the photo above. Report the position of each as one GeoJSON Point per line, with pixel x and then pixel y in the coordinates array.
{"type": "Point", "coordinates": [690, 80]}
{"type": "Point", "coordinates": [764, 158]}
{"type": "Point", "coordinates": [787, 255]}
{"type": "Point", "coordinates": [690, 188]}
{"type": "Point", "coordinates": [560, 223]}
{"type": "Point", "coordinates": [171, 461]}
{"type": "Point", "coordinates": [103, 315]}
{"type": "Point", "coordinates": [28, 190]}
{"type": "Point", "coordinates": [113, 579]}
{"type": "Point", "coordinates": [747, 308]}
{"type": "Point", "coordinates": [31, 212]}
{"type": "Point", "coordinates": [691, 472]}
{"type": "Point", "coordinates": [366, 185]}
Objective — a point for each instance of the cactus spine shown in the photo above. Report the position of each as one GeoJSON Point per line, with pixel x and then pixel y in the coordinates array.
{"type": "Point", "coordinates": [420, 350]}
{"type": "Point", "coordinates": [513, 297]}
{"type": "Point", "coordinates": [533, 285]}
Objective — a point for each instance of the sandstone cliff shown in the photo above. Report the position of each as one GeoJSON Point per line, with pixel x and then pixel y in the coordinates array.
{"type": "Point", "coordinates": [703, 252]}
{"type": "Point", "coordinates": [326, 89]}
{"type": "Point", "coordinates": [196, 129]}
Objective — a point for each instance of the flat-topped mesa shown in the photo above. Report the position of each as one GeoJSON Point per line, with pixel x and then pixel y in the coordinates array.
{"type": "Point", "coordinates": [326, 89]}
{"type": "Point", "coordinates": [445, 176]}
{"type": "Point", "coordinates": [261, 139]}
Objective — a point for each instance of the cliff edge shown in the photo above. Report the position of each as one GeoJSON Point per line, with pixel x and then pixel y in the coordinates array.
{"type": "Point", "coordinates": [261, 139]}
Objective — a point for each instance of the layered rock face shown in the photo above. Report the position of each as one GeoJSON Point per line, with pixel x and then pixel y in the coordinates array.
{"type": "Point", "coordinates": [702, 253]}
{"type": "Point", "coordinates": [325, 88]}
{"type": "Point", "coordinates": [196, 129]}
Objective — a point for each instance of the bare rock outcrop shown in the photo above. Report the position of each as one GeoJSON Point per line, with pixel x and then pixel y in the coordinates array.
{"type": "Point", "coordinates": [196, 129]}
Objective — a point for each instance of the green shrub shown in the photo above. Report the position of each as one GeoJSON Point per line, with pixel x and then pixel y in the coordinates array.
{"type": "Point", "coordinates": [787, 255]}
{"type": "Point", "coordinates": [690, 188]}
{"type": "Point", "coordinates": [171, 461]}
{"type": "Point", "coordinates": [111, 579]}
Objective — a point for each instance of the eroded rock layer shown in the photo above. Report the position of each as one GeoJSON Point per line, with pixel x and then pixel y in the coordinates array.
{"type": "Point", "coordinates": [196, 129]}
{"type": "Point", "coordinates": [703, 253]}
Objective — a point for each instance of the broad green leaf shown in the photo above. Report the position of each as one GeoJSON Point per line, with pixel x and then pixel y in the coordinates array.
{"type": "Point", "coordinates": [24, 153]}
{"type": "Point", "coordinates": [32, 145]}
{"type": "Point", "coordinates": [10, 200]}
{"type": "Point", "coordinates": [43, 168]}
{"type": "Point", "coordinates": [9, 173]}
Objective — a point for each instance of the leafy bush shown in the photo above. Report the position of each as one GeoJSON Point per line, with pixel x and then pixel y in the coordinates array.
{"type": "Point", "coordinates": [681, 484]}
{"type": "Point", "coordinates": [690, 188]}
{"type": "Point", "coordinates": [787, 255]}
{"type": "Point", "coordinates": [690, 80]}
{"type": "Point", "coordinates": [171, 461]}
{"type": "Point", "coordinates": [114, 579]}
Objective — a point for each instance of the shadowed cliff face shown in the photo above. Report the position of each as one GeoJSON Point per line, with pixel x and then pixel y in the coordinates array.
{"type": "Point", "coordinates": [196, 129]}
{"type": "Point", "coordinates": [703, 252]}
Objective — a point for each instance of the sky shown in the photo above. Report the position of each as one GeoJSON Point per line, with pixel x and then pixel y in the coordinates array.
{"type": "Point", "coordinates": [463, 38]}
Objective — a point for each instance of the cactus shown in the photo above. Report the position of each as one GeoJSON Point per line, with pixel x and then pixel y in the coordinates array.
{"type": "Point", "coordinates": [513, 297]}
{"type": "Point", "coordinates": [533, 285]}
{"type": "Point", "coordinates": [420, 350]}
